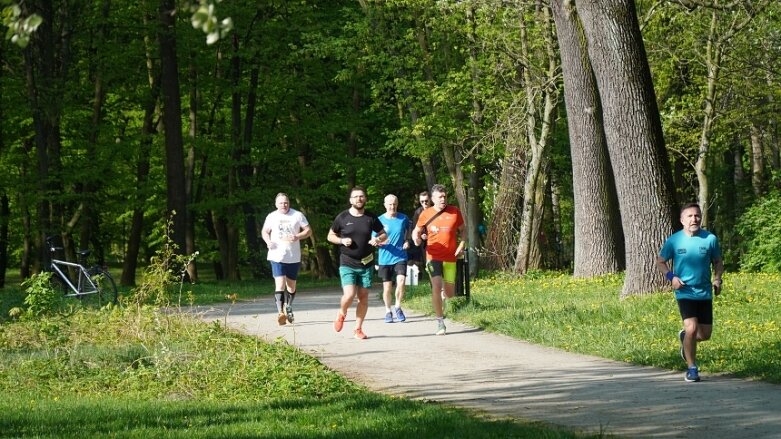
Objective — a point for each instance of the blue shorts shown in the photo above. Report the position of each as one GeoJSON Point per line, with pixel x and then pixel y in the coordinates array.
{"type": "Point", "coordinates": [361, 277]}
{"type": "Point", "coordinates": [290, 271]}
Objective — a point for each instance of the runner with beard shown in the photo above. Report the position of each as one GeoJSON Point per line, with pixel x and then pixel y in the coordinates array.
{"type": "Point", "coordinates": [352, 232]}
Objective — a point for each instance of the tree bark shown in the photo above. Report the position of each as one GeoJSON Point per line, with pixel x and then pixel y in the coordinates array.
{"type": "Point", "coordinates": [172, 122]}
{"type": "Point", "coordinates": [130, 263]}
{"type": "Point", "coordinates": [757, 161]}
{"type": "Point", "coordinates": [599, 244]}
{"type": "Point", "coordinates": [528, 255]}
{"type": "Point", "coordinates": [500, 240]}
{"type": "Point", "coordinates": [634, 136]}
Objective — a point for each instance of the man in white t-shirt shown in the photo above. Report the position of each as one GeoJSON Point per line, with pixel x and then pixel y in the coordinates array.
{"type": "Point", "coordinates": [282, 231]}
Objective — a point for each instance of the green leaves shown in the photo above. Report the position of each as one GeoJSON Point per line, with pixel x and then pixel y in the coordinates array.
{"type": "Point", "coordinates": [205, 18]}
{"type": "Point", "coordinates": [19, 27]}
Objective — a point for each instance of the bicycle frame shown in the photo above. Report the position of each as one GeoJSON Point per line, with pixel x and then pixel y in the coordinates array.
{"type": "Point", "coordinates": [83, 286]}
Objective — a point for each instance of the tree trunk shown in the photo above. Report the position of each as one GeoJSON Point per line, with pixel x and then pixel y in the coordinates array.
{"type": "Point", "coordinates": [5, 214]}
{"type": "Point", "coordinates": [189, 169]}
{"type": "Point", "coordinates": [757, 162]}
{"type": "Point", "coordinates": [500, 241]}
{"type": "Point", "coordinates": [599, 244]}
{"type": "Point", "coordinates": [528, 255]}
{"type": "Point", "coordinates": [634, 136]}
{"type": "Point", "coordinates": [42, 89]}
{"type": "Point", "coordinates": [130, 263]}
{"type": "Point", "coordinates": [713, 54]}
{"type": "Point", "coordinates": [246, 174]}
{"type": "Point", "coordinates": [172, 122]}
{"type": "Point", "coordinates": [473, 198]}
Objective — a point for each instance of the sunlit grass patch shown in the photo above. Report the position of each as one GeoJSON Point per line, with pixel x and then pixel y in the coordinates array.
{"type": "Point", "coordinates": [139, 372]}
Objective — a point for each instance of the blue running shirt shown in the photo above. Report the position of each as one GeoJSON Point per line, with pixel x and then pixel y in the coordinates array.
{"type": "Point", "coordinates": [396, 228]}
{"type": "Point", "coordinates": [692, 257]}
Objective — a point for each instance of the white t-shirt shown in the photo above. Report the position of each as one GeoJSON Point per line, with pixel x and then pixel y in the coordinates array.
{"type": "Point", "coordinates": [283, 225]}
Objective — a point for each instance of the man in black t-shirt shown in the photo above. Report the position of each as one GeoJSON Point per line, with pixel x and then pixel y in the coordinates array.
{"type": "Point", "coordinates": [352, 231]}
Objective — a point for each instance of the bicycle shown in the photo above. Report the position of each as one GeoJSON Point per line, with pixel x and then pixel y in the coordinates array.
{"type": "Point", "coordinates": [90, 283]}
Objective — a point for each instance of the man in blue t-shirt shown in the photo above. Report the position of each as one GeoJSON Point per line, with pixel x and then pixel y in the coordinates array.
{"type": "Point", "coordinates": [393, 257]}
{"type": "Point", "coordinates": [692, 251]}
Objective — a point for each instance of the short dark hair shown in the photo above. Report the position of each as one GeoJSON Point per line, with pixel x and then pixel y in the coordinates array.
{"type": "Point", "coordinates": [423, 194]}
{"type": "Point", "coordinates": [690, 205]}
{"type": "Point", "coordinates": [357, 188]}
{"type": "Point", "coordinates": [439, 188]}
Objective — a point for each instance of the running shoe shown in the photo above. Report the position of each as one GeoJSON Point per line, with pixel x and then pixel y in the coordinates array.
{"type": "Point", "coordinates": [339, 322]}
{"type": "Point", "coordinates": [692, 375]}
{"type": "Point", "coordinates": [681, 335]}
{"type": "Point", "coordinates": [281, 319]}
{"type": "Point", "coordinates": [289, 312]}
{"type": "Point", "coordinates": [441, 329]}
{"type": "Point", "coordinates": [358, 333]}
{"type": "Point", "coordinates": [400, 315]}
{"type": "Point", "coordinates": [388, 317]}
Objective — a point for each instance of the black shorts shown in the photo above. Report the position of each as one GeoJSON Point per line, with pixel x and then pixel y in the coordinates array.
{"type": "Point", "coordinates": [388, 273]}
{"type": "Point", "coordinates": [701, 309]}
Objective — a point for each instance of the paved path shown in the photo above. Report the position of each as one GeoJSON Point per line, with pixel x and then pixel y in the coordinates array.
{"type": "Point", "coordinates": [506, 377]}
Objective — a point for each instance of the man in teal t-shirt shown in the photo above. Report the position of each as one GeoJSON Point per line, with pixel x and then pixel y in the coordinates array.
{"type": "Point", "coordinates": [693, 251]}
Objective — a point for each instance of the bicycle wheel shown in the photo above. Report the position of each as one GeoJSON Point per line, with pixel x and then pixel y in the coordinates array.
{"type": "Point", "coordinates": [107, 288]}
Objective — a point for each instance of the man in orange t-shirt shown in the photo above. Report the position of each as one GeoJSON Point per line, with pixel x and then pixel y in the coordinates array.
{"type": "Point", "coordinates": [440, 226]}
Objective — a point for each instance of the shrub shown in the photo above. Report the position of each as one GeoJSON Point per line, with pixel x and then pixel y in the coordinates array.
{"type": "Point", "coordinates": [761, 231]}
{"type": "Point", "coordinates": [41, 298]}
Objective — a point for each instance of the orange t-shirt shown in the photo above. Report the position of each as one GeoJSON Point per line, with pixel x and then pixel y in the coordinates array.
{"type": "Point", "coordinates": [442, 233]}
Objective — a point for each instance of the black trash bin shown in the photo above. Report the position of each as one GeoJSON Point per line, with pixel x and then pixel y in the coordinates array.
{"type": "Point", "coordinates": [462, 276]}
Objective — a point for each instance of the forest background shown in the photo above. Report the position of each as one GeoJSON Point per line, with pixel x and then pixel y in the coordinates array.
{"type": "Point", "coordinates": [568, 131]}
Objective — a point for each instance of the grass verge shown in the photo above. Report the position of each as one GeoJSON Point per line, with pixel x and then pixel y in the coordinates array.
{"type": "Point", "coordinates": [137, 372]}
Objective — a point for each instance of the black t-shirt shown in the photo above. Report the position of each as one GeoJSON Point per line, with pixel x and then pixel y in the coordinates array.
{"type": "Point", "coordinates": [359, 229]}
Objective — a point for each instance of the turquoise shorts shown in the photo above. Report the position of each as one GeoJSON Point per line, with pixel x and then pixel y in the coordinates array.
{"type": "Point", "coordinates": [356, 276]}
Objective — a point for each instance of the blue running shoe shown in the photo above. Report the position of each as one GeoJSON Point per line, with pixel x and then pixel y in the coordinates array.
{"type": "Point", "coordinates": [388, 317]}
{"type": "Point", "coordinates": [692, 375]}
{"type": "Point", "coordinates": [400, 315]}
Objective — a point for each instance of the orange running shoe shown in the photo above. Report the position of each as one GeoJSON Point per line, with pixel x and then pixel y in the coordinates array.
{"type": "Point", "coordinates": [281, 319]}
{"type": "Point", "coordinates": [339, 322]}
{"type": "Point", "coordinates": [359, 334]}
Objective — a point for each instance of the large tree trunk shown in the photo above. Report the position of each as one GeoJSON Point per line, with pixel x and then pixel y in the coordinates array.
{"type": "Point", "coordinates": [634, 136]}
{"type": "Point", "coordinates": [89, 235]}
{"type": "Point", "coordinates": [599, 244]}
{"type": "Point", "coordinates": [528, 255]}
{"type": "Point", "coordinates": [473, 197]}
{"type": "Point", "coordinates": [172, 122]}
{"type": "Point", "coordinates": [500, 241]}
{"type": "Point", "coordinates": [42, 88]}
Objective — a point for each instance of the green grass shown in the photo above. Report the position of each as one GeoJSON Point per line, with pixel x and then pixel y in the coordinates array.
{"type": "Point", "coordinates": [587, 316]}
{"type": "Point", "coordinates": [142, 373]}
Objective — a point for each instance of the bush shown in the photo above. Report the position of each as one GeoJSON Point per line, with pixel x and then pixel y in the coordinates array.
{"type": "Point", "coordinates": [761, 231]}
{"type": "Point", "coordinates": [41, 298]}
